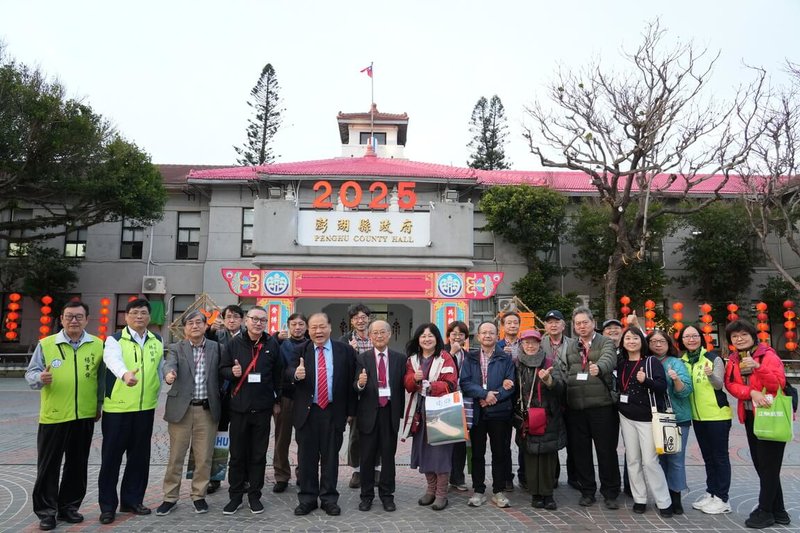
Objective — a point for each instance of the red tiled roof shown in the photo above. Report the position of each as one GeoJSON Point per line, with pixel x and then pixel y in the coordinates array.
{"type": "Point", "coordinates": [176, 174]}
{"type": "Point", "coordinates": [377, 115]}
{"type": "Point", "coordinates": [371, 166]}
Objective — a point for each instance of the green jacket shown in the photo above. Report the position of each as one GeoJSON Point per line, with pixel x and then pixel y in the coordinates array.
{"type": "Point", "coordinates": [593, 391]}
{"type": "Point", "coordinates": [73, 394]}
{"type": "Point", "coordinates": [708, 403]}
{"type": "Point", "coordinates": [144, 395]}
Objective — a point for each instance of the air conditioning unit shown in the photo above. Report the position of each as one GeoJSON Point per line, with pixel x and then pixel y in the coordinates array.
{"type": "Point", "coordinates": [474, 323]}
{"type": "Point", "coordinates": [504, 305]}
{"type": "Point", "coordinates": [154, 285]}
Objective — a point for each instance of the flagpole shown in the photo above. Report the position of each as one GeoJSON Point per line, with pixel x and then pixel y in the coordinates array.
{"type": "Point", "coordinates": [372, 107]}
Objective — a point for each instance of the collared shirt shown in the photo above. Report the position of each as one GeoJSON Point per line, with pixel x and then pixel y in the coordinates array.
{"type": "Point", "coordinates": [112, 354]}
{"type": "Point", "coordinates": [200, 389]}
{"type": "Point", "coordinates": [328, 346]}
{"type": "Point", "coordinates": [385, 353]}
{"type": "Point", "coordinates": [363, 344]}
{"type": "Point", "coordinates": [36, 365]}
{"type": "Point", "coordinates": [485, 366]}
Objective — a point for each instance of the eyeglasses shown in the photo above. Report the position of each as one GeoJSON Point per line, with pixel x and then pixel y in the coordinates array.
{"type": "Point", "coordinates": [658, 341]}
{"type": "Point", "coordinates": [582, 322]}
{"type": "Point", "coordinates": [740, 336]}
{"type": "Point", "coordinates": [361, 317]}
{"type": "Point", "coordinates": [379, 332]}
{"type": "Point", "coordinates": [195, 323]}
{"type": "Point", "coordinates": [70, 318]}
{"type": "Point", "coordinates": [691, 336]}
{"type": "Point", "coordinates": [259, 320]}
{"type": "Point", "coordinates": [141, 312]}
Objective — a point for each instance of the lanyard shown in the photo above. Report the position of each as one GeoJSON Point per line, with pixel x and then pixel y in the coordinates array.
{"type": "Point", "coordinates": [628, 380]}
{"type": "Point", "coordinates": [251, 366]}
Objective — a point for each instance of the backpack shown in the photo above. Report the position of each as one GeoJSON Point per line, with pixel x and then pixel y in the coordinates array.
{"type": "Point", "coordinates": [791, 392]}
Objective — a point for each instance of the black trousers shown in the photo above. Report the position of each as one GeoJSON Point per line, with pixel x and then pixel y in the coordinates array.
{"type": "Point", "coordinates": [601, 426]}
{"type": "Point", "coordinates": [128, 434]}
{"type": "Point", "coordinates": [459, 460]}
{"type": "Point", "coordinates": [318, 445]}
{"type": "Point", "coordinates": [497, 431]}
{"type": "Point", "coordinates": [381, 443]}
{"type": "Point", "coordinates": [767, 458]}
{"type": "Point", "coordinates": [249, 434]}
{"type": "Point", "coordinates": [70, 441]}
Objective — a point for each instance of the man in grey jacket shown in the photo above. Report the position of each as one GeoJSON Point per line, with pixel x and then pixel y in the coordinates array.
{"type": "Point", "coordinates": [591, 411]}
{"type": "Point", "coordinates": [192, 411]}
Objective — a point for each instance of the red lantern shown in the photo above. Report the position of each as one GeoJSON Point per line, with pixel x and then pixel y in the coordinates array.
{"type": "Point", "coordinates": [624, 300]}
{"type": "Point", "coordinates": [733, 308]}
{"type": "Point", "coordinates": [13, 316]}
{"type": "Point", "coordinates": [105, 302]}
{"type": "Point", "coordinates": [102, 329]}
{"type": "Point", "coordinates": [761, 306]}
{"type": "Point", "coordinates": [761, 326]}
{"type": "Point", "coordinates": [707, 329]}
{"type": "Point", "coordinates": [11, 335]}
{"type": "Point", "coordinates": [11, 326]}
{"type": "Point", "coordinates": [649, 304]}
{"type": "Point", "coordinates": [763, 336]}
{"type": "Point", "coordinates": [790, 334]}
{"type": "Point", "coordinates": [677, 316]}
{"type": "Point", "coordinates": [677, 306]}
{"type": "Point", "coordinates": [789, 324]}
{"type": "Point", "coordinates": [103, 320]}
{"type": "Point", "coordinates": [44, 319]}
{"type": "Point", "coordinates": [649, 314]}
{"type": "Point", "coordinates": [13, 306]}
{"type": "Point", "coordinates": [625, 310]}
{"type": "Point", "coordinates": [705, 308]}
{"type": "Point", "coordinates": [789, 315]}
{"type": "Point", "coordinates": [707, 319]}
{"type": "Point", "coordinates": [788, 304]}
{"type": "Point", "coordinates": [104, 310]}
{"type": "Point", "coordinates": [46, 300]}
{"type": "Point", "coordinates": [15, 297]}
{"type": "Point", "coordinates": [678, 325]}
{"type": "Point", "coordinates": [44, 330]}
{"type": "Point", "coordinates": [46, 310]}
{"type": "Point", "coordinates": [791, 346]}
{"type": "Point", "coordinates": [732, 317]}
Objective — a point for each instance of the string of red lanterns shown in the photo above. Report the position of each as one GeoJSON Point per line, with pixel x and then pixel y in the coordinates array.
{"type": "Point", "coordinates": [677, 319]}
{"type": "Point", "coordinates": [12, 317]}
{"type": "Point", "coordinates": [624, 310]}
{"type": "Point", "coordinates": [102, 329]}
{"type": "Point", "coordinates": [649, 315]}
{"type": "Point", "coordinates": [789, 326]}
{"type": "Point", "coordinates": [707, 328]}
{"type": "Point", "coordinates": [763, 322]}
{"type": "Point", "coordinates": [45, 319]}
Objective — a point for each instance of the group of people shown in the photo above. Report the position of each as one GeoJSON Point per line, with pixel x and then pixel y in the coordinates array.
{"type": "Point", "coordinates": [547, 391]}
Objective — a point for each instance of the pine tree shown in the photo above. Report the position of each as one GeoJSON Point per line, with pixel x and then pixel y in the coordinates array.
{"type": "Point", "coordinates": [266, 104]}
{"type": "Point", "coordinates": [489, 129]}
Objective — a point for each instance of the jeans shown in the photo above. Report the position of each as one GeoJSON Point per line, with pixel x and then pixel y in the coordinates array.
{"type": "Point", "coordinates": [713, 437]}
{"type": "Point", "coordinates": [674, 464]}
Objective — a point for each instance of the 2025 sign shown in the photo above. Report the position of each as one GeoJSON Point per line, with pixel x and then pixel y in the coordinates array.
{"type": "Point", "coordinates": [350, 194]}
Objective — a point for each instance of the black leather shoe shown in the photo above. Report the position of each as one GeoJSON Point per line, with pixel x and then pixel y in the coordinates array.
{"type": "Point", "coordinates": [365, 505]}
{"type": "Point", "coordinates": [303, 509]}
{"type": "Point", "coordinates": [389, 506]}
{"type": "Point", "coordinates": [782, 518]}
{"type": "Point", "coordinates": [332, 509]}
{"type": "Point", "coordinates": [47, 523]}
{"type": "Point", "coordinates": [136, 509]}
{"type": "Point", "coordinates": [213, 486]}
{"type": "Point", "coordinates": [107, 517]}
{"type": "Point", "coordinates": [586, 501]}
{"type": "Point", "coordinates": [280, 486]}
{"type": "Point", "coordinates": [70, 515]}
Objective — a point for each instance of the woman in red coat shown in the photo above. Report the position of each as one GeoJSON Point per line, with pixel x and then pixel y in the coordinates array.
{"type": "Point", "coordinates": [749, 371]}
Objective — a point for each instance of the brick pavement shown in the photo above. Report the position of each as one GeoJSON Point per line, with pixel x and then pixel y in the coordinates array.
{"type": "Point", "coordinates": [18, 416]}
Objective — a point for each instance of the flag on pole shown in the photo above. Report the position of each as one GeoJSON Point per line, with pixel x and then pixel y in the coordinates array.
{"type": "Point", "coordinates": [368, 70]}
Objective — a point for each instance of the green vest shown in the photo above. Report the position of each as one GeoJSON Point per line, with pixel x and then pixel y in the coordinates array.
{"type": "Point", "coordinates": [144, 395]}
{"type": "Point", "coordinates": [704, 398]}
{"type": "Point", "coordinates": [73, 393]}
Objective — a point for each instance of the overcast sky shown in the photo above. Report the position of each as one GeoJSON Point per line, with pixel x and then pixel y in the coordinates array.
{"type": "Point", "coordinates": [174, 76]}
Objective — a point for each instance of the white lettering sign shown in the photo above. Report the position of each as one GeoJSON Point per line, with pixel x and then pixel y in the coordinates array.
{"type": "Point", "coordinates": [363, 229]}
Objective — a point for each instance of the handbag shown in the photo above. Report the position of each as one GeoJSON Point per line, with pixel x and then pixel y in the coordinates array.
{"type": "Point", "coordinates": [774, 422]}
{"type": "Point", "coordinates": [445, 420]}
{"type": "Point", "coordinates": [666, 431]}
{"type": "Point", "coordinates": [535, 423]}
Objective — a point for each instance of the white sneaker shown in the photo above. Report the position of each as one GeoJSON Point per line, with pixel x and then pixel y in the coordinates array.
{"type": "Point", "coordinates": [716, 506]}
{"type": "Point", "coordinates": [702, 501]}
{"type": "Point", "coordinates": [500, 500]}
{"type": "Point", "coordinates": [476, 500]}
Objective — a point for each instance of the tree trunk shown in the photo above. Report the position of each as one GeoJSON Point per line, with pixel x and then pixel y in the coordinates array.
{"type": "Point", "coordinates": [611, 279]}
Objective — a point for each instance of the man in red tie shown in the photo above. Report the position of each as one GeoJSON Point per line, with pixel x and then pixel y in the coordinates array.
{"type": "Point", "coordinates": [379, 383]}
{"type": "Point", "coordinates": [324, 399]}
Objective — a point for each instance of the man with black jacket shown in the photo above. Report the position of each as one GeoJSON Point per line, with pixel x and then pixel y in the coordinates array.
{"type": "Point", "coordinates": [253, 364]}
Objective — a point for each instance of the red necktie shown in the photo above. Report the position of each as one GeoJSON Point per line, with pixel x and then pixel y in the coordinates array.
{"type": "Point", "coordinates": [322, 379]}
{"type": "Point", "coordinates": [382, 400]}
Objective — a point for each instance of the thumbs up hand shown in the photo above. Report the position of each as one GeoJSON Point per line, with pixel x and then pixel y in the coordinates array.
{"type": "Point", "coordinates": [300, 373]}
{"type": "Point", "coordinates": [171, 377]}
{"type": "Point", "coordinates": [546, 375]}
{"type": "Point", "coordinates": [632, 320]}
{"type": "Point", "coordinates": [129, 378]}
{"type": "Point", "coordinates": [640, 375]}
{"type": "Point", "coordinates": [362, 378]}
{"type": "Point", "coordinates": [236, 369]}
{"type": "Point", "coordinates": [46, 376]}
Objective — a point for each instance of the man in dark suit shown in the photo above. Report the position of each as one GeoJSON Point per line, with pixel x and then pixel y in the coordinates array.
{"type": "Point", "coordinates": [324, 399]}
{"type": "Point", "coordinates": [379, 384]}
{"type": "Point", "coordinates": [192, 411]}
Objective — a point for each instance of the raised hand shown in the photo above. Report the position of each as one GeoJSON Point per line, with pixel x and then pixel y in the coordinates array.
{"type": "Point", "coordinates": [170, 377]}
{"type": "Point", "coordinates": [362, 378]}
{"type": "Point", "coordinates": [594, 370]}
{"type": "Point", "coordinates": [300, 373]}
{"type": "Point", "coordinates": [672, 374]}
{"type": "Point", "coordinates": [418, 375]}
{"type": "Point", "coordinates": [129, 378]}
{"type": "Point", "coordinates": [546, 375]}
{"type": "Point", "coordinates": [46, 376]}
{"type": "Point", "coordinates": [640, 375]}
{"type": "Point", "coordinates": [236, 369]}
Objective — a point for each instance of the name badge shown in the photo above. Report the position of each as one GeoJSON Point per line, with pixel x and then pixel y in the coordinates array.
{"type": "Point", "coordinates": [623, 398]}
{"type": "Point", "coordinates": [485, 386]}
{"type": "Point", "coordinates": [583, 376]}
{"type": "Point", "coordinates": [254, 377]}
{"type": "Point", "coordinates": [384, 392]}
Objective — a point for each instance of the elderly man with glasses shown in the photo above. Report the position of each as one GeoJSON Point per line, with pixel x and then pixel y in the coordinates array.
{"type": "Point", "coordinates": [253, 364]}
{"type": "Point", "coordinates": [192, 411]}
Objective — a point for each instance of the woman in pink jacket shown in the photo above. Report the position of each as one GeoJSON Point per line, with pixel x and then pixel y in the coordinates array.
{"type": "Point", "coordinates": [751, 369]}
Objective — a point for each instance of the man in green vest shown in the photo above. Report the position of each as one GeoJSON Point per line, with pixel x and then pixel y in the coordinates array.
{"type": "Point", "coordinates": [66, 367]}
{"type": "Point", "coordinates": [133, 357]}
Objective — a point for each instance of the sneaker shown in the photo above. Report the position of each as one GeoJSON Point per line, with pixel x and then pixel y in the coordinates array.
{"type": "Point", "coordinates": [716, 506]}
{"type": "Point", "coordinates": [460, 487]}
{"type": "Point", "coordinates": [611, 503]}
{"type": "Point", "coordinates": [500, 500]}
{"type": "Point", "coordinates": [639, 508]}
{"type": "Point", "coordinates": [256, 507]}
{"type": "Point", "coordinates": [782, 518]}
{"type": "Point", "coordinates": [537, 502]}
{"type": "Point", "coordinates": [666, 512]}
{"type": "Point", "coordinates": [760, 519]}
{"type": "Point", "coordinates": [200, 506]}
{"type": "Point", "coordinates": [550, 503]}
{"type": "Point", "coordinates": [477, 500]}
{"type": "Point", "coordinates": [165, 508]}
{"type": "Point", "coordinates": [702, 501]}
{"type": "Point", "coordinates": [586, 500]}
{"type": "Point", "coordinates": [232, 506]}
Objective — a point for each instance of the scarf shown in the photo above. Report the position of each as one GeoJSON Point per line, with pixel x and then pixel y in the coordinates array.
{"type": "Point", "coordinates": [694, 356]}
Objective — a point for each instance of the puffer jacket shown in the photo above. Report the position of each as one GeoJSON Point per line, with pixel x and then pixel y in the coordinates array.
{"type": "Point", "coordinates": [552, 400]}
{"type": "Point", "coordinates": [769, 375]}
{"type": "Point", "coordinates": [595, 390]}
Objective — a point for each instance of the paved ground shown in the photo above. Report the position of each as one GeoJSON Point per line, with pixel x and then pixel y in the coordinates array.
{"type": "Point", "coordinates": [18, 416]}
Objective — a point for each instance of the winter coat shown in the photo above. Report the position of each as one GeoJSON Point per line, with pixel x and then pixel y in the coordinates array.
{"type": "Point", "coordinates": [595, 390]}
{"type": "Point", "coordinates": [500, 368]}
{"type": "Point", "coordinates": [681, 404]}
{"type": "Point", "coordinates": [769, 375]}
{"type": "Point", "coordinates": [552, 400]}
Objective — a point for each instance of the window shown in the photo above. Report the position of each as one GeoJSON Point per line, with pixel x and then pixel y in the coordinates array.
{"type": "Point", "coordinates": [180, 303]}
{"type": "Point", "coordinates": [132, 239]}
{"type": "Point", "coordinates": [122, 301]}
{"type": "Point", "coordinates": [247, 232]}
{"type": "Point", "coordinates": [75, 243]}
{"type": "Point", "coordinates": [188, 235]}
{"type": "Point", "coordinates": [483, 251]}
{"type": "Point", "coordinates": [655, 253]}
{"type": "Point", "coordinates": [380, 138]}
{"type": "Point", "coordinates": [16, 247]}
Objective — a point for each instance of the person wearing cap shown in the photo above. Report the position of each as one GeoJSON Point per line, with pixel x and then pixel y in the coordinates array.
{"type": "Point", "coordinates": [591, 411]}
{"type": "Point", "coordinates": [192, 411]}
{"type": "Point", "coordinates": [612, 328]}
{"type": "Point", "coordinates": [540, 384]}
{"type": "Point", "coordinates": [559, 348]}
